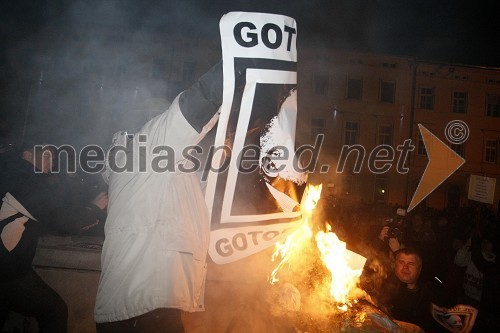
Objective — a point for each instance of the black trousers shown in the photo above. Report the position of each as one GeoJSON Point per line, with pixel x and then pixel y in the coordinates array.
{"type": "Point", "coordinates": [30, 296]}
{"type": "Point", "coordinates": [160, 320]}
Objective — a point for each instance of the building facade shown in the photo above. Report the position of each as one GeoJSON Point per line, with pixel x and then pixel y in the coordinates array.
{"type": "Point", "coordinates": [361, 103]}
{"type": "Point", "coordinates": [448, 92]}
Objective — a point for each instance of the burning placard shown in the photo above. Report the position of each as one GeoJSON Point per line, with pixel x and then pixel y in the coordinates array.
{"type": "Point", "coordinates": [255, 183]}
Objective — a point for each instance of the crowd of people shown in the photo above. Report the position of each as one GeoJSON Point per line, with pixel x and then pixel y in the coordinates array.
{"type": "Point", "coordinates": [446, 257]}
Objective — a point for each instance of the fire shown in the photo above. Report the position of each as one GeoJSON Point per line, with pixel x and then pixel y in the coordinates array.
{"type": "Point", "coordinates": [344, 266]}
{"type": "Point", "coordinates": [336, 257]}
{"type": "Point", "coordinates": [298, 240]}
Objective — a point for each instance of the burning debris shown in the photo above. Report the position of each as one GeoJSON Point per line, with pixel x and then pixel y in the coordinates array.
{"type": "Point", "coordinates": [316, 280]}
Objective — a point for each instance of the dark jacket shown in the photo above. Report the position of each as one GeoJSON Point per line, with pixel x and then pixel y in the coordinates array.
{"type": "Point", "coordinates": [414, 306]}
{"type": "Point", "coordinates": [36, 192]}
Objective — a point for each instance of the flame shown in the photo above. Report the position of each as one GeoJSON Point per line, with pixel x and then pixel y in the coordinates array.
{"type": "Point", "coordinates": [297, 240]}
{"type": "Point", "coordinates": [335, 256]}
{"type": "Point", "coordinates": [344, 266]}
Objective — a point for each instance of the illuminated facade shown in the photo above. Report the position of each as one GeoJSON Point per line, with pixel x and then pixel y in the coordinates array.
{"type": "Point", "coordinates": [373, 99]}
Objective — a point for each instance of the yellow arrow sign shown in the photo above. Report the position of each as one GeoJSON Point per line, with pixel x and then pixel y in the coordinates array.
{"type": "Point", "coordinates": [443, 162]}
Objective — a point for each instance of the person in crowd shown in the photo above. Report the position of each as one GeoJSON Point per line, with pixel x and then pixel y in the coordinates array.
{"type": "Point", "coordinates": [392, 236]}
{"type": "Point", "coordinates": [380, 259]}
{"type": "Point", "coordinates": [157, 228]}
{"type": "Point", "coordinates": [472, 286]}
{"type": "Point", "coordinates": [443, 266]}
{"type": "Point", "coordinates": [420, 236]}
{"type": "Point", "coordinates": [29, 204]}
{"type": "Point", "coordinates": [411, 300]}
{"type": "Point", "coordinates": [483, 256]}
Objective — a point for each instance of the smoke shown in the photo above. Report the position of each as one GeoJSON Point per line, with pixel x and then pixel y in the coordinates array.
{"type": "Point", "coordinates": [89, 66]}
{"type": "Point", "coordinates": [85, 69]}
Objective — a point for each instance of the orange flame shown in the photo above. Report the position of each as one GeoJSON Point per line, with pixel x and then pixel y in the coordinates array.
{"type": "Point", "coordinates": [298, 239]}
{"type": "Point", "coordinates": [344, 266]}
{"type": "Point", "coordinates": [335, 256]}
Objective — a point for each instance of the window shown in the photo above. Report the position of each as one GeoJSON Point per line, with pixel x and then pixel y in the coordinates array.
{"type": "Point", "coordinates": [421, 146]}
{"type": "Point", "coordinates": [459, 104]}
{"type": "Point", "coordinates": [321, 84]}
{"type": "Point", "coordinates": [351, 133]}
{"type": "Point", "coordinates": [387, 91]}
{"type": "Point", "coordinates": [459, 149]}
{"type": "Point", "coordinates": [354, 88]}
{"type": "Point", "coordinates": [493, 105]}
{"type": "Point", "coordinates": [380, 194]}
{"type": "Point", "coordinates": [317, 127]}
{"type": "Point", "coordinates": [385, 135]}
{"type": "Point", "coordinates": [427, 98]}
{"type": "Point", "coordinates": [490, 151]}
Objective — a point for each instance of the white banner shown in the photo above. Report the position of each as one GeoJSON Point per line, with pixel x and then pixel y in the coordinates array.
{"type": "Point", "coordinates": [255, 183]}
{"type": "Point", "coordinates": [481, 189]}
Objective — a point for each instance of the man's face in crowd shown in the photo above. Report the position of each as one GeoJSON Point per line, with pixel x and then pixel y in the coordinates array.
{"type": "Point", "coordinates": [408, 267]}
{"type": "Point", "coordinates": [43, 159]}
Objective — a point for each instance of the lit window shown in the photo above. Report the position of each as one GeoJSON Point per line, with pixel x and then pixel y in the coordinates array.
{"type": "Point", "coordinates": [385, 135]}
{"type": "Point", "coordinates": [493, 105]}
{"type": "Point", "coordinates": [351, 133]}
{"type": "Point", "coordinates": [490, 151]}
{"type": "Point", "coordinates": [427, 98]}
{"type": "Point", "coordinates": [459, 102]}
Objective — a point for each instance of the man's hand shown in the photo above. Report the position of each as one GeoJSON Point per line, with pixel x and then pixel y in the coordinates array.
{"type": "Point", "coordinates": [12, 233]}
{"type": "Point", "coordinates": [394, 244]}
{"type": "Point", "coordinates": [384, 233]}
{"type": "Point", "coordinates": [101, 200]}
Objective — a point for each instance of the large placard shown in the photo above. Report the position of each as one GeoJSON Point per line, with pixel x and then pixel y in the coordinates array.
{"type": "Point", "coordinates": [255, 183]}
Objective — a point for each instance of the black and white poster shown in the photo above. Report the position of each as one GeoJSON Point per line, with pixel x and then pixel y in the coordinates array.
{"type": "Point", "coordinates": [255, 183]}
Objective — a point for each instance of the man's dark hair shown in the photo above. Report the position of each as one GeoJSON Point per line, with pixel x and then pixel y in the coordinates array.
{"type": "Point", "coordinates": [408, 251]}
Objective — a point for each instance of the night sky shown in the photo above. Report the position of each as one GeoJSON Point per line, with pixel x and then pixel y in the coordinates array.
{"type": "Point", "coordinates": [456, 31]}
{"type": "Point", "coordinates": [444, 30]}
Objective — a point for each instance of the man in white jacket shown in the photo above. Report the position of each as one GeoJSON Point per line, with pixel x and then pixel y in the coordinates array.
{"type": "Point", "coordinates": [157, 229]}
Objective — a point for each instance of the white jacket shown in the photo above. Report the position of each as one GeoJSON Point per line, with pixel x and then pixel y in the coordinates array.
{"type": "Point", "coordinates": [157, 230]}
